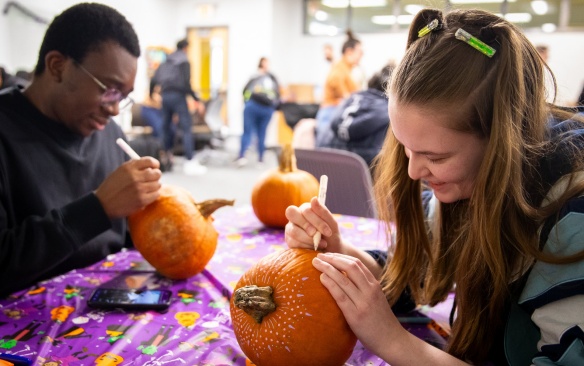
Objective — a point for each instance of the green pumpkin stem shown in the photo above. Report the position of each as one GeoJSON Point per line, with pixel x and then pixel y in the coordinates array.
{"type": "Point", "coordinates": [206, 208]}
{"type": "Point", "coordinates": [288, 159]}
{"type": "Point", "coordinates": [256, 301]}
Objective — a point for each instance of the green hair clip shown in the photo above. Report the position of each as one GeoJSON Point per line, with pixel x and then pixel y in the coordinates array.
{"type": "Point", "coordinates": [476, 43]}
{"type": "Point", "coordinates": [428, 28]}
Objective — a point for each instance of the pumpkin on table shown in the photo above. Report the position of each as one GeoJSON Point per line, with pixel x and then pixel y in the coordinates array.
{"type": "Point", "coordinates": [175, 234]}
{"type": "Point", "coordinates": [277, 189]}
{"type": "Point", "coordinates": [283, 315]}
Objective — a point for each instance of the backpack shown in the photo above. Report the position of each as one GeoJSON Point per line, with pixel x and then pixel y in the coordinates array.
{"type": "Point", "coordinates": [262, 89]}
{"type": "Point", "coordinates": [168, 75]}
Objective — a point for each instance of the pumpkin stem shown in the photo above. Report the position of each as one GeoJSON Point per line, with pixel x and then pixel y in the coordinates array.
{"type": "Point", "coordinates": [256, 301]}
{"type": "Point", "coordinates": [288, 159]}
{"type": "Point", "coordinates": [206, 208]}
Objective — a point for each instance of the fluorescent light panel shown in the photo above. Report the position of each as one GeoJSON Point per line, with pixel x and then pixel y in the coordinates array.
{"type": "Point", "coordinates": [407, 19]}
{"type": "Point", "coordinates": [517, 17]}
{"type": "Point", "coordinates": [354, 3]}
{"type": "Point", "coordinates": [549, 27]}
{"type": "Point", "coordinates": [391, 19]}
{"type": "Point", "coordinates": [540, 7]}
{"type": "Point", "coordinates": [413, 9]}
{"type": "Point", "coordinates": [479, 1]}
{"type": "Point", "coordinates": [320, 29]}
{"type": "Point", "coordinates": [321, 15]}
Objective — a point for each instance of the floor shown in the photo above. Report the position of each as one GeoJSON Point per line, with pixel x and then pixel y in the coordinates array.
{"type": "Point", "coordinates": [223, 178]}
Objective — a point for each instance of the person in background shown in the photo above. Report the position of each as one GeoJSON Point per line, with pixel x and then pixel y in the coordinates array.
{"type": "Point", "coordinates": [7, 80]}
{"type": "Point", "coordinates": [543, 51]}
{"type": "Point", "coordinates": [581, 98]}
{"type": "Point", "coordinates": [361, 121]}
{"type": "Point", "coordinates": [262, 96]}
{"type": "Point", "coordinates": [66, 188]}
{"type": "Point", "coordinates": [329, 55]}
{"type": "Point", "coordinates": [151, 112]}
{"type": "Point", "coordinates": [338, 86]}
{"type": "Point", "coordinates": [174, 78]}
{"type": "Point", "coordinates": [502, 225]}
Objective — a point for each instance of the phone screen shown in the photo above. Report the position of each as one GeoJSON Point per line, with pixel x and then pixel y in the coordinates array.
{"type": "Point", "coordinates": [131, 299]}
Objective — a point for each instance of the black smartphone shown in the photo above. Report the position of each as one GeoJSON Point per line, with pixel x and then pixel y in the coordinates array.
{"type": "Point", "coordinates": [133, 299]}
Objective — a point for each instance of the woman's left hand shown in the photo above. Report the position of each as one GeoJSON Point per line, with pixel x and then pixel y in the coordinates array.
{"type": "Point", "coordinates": [360, 298]}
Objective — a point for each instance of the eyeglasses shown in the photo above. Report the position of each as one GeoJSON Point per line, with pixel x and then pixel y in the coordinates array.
{"type": "Point", "coordinates": [110, 96]}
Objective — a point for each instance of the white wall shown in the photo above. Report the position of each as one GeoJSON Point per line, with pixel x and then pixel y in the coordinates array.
{"type": "Point", "coordinates": [566, 56]}
{"type": "Point", "coordinates": [271, 28]}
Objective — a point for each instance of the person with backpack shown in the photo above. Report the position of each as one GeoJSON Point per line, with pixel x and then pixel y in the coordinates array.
{"type": "Point", "coordinates": [361, 121]}
{"type": "Point", "coordinates": [174, 78]}
{"type": "Point", "coordinates": [262, 97]}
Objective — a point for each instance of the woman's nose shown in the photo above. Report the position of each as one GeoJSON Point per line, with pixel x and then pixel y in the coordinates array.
{"type": "Point", "coordinates": [416, 167]}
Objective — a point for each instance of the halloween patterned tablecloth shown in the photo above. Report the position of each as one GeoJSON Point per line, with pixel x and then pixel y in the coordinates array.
{"type": "Point", "coordinates": [52, 324]}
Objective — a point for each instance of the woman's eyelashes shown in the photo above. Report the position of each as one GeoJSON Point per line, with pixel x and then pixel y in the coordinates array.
{"type": "Point", "coordinates": [434, 160]}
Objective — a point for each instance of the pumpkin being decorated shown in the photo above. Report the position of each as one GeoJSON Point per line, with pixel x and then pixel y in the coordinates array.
{"type": "Point", "coordinates": [282, 314]}
{"type": "Point", "coordinates": [175, 234]}
{"type": "Point", "coordinates": [277, 189]}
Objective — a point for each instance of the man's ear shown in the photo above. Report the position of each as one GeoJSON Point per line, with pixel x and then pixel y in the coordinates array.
{"type": "Point", "coordinates": [55, 64]}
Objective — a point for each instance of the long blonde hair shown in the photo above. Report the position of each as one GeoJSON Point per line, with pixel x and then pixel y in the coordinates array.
{"type": "Point", "coordinates": [478, 244]}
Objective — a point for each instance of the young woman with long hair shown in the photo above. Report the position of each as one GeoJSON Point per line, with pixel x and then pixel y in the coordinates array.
{"type": "Point", "coordinates": [484, 181]}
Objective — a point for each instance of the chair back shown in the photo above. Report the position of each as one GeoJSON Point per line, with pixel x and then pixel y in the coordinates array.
{"type": "Point", "coordinates": [213, 111]}
{"type": "Point", "coordinates": [350, 189]}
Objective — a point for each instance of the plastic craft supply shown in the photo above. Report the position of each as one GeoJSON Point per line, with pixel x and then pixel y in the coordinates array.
{"type": "Point", "coordinates": [476, 43]}
{"type": "Point", "coordinates": [428, 28]}
{"type": "Point", "coordinates": [321, 199]}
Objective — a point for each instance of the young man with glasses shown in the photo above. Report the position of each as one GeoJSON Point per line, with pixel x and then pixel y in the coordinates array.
{"type": "Point", "coordinates": [65, 187]}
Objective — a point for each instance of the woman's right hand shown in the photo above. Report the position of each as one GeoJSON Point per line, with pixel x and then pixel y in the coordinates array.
{"type": "Point", "coordinates": [303, 223]}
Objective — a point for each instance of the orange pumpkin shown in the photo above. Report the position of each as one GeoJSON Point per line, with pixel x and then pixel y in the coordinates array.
{"type": "Point", "coordinates": [283, 315]}
{"type": "Point", "coordinates": [277, 189]}
{"type": "Point", "coordinates": [175, 234]}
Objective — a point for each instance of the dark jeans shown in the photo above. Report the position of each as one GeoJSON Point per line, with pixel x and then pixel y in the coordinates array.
{"type": "Point", "coordinates": [256, 118]}
{"type": "Point", "coordinates": [175, 102]}
{"type": "Point", "coordinates": [153, 117]}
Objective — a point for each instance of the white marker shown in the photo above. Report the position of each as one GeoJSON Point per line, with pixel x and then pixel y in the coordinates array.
{"type": "Point", "coordinates": [321, 200]}
{"type": "Point", "coordinates": [127, 149]}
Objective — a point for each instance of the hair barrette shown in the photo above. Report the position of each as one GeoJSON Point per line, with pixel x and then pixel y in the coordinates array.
{"type": "Point", "coordinates": [476, 43]}
{"type": "Point", "coordinates": [435, 24]}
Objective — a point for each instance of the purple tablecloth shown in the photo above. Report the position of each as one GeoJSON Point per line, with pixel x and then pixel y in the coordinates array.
{"type": "Point", "coordinates": [51, 322]}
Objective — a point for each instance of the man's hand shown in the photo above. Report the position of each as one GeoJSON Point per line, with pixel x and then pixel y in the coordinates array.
{"type": "Point", "coordinates": [132, 186]}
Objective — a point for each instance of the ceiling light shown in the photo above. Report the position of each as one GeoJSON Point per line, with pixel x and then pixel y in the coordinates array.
{"type": "Point", "coordinates": [517, 17]}
{"type": "Point", "coordinates": [319, 29]}
{"type": "Point", "coordinates": [354, 3]}
{"type": "Point", "coordinates": [479, 1]}
{"type": "Point", "coordinates": [540, 7]}
{"type": "Point", "coordinates": [391, 19]}
{"type": "Point", "coordinates": [413, 9]}
{"type": "Point", "coordinates": [549, 27]}
{"type": "Point", "coordinates": [383, 19]}
{"type": "Point", "coordinates": [321, 15]}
